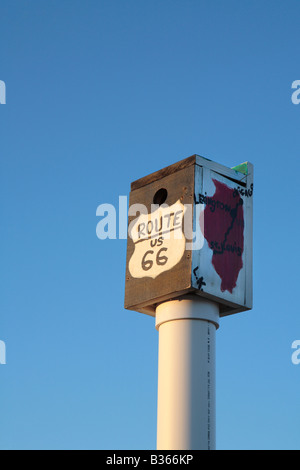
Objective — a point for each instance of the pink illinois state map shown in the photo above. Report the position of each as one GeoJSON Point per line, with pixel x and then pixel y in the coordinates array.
{"type": "Point", "coordinates": [224, 232]}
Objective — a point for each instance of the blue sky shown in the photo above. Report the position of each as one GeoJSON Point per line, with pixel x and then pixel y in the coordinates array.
{"type": "Point", "coordinates": [99, 94]}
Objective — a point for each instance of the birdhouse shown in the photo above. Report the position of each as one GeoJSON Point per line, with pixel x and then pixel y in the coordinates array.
{"type": "Point", "coordinates": [190, 232]}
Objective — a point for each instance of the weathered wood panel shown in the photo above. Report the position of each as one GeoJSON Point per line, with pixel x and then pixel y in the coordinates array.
{"type": "Point", "coordinates": [151, 288]}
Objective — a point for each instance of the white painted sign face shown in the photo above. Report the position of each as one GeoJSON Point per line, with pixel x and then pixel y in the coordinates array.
{"type": "Point", "coordinates": [159, 242]}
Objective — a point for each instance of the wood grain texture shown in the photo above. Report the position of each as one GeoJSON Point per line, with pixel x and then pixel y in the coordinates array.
{"type": "Point", "coordinates": [158, 175]}
{"type": "Point", "coordinates": [143, 292]}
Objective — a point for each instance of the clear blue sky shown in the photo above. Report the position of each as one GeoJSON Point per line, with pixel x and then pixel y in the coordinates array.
{"type": "Point", "coordinates": [100, 93]}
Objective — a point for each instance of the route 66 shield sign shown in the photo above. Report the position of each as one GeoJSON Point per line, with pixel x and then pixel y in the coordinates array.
{"type": "Point", "coordinates": [159, 241]}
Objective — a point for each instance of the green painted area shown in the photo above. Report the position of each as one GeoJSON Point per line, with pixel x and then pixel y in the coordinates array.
{"type": "Point", "coordinates": [242, 168]}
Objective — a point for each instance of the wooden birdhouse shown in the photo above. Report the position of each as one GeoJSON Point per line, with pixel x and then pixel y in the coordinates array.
{"type": "Point", "coordinates": [190, 231]}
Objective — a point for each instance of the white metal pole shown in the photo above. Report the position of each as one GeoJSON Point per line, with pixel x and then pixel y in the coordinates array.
{"type": "Point", "coordinates": [186, 374]}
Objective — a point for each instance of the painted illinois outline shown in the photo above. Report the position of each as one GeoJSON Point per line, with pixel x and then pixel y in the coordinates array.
{"type": "Point", "coordinates": [224, 232]}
